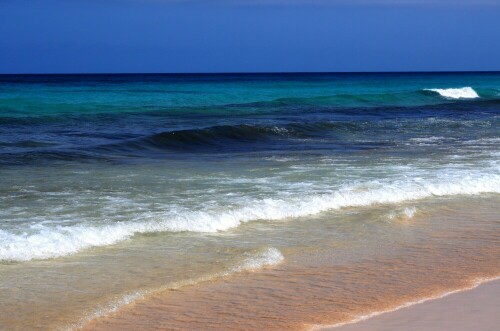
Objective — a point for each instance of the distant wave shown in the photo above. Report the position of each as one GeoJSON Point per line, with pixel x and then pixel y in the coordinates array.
{"type": "Point", "coordinates": [346, 100]}
{"type": "Point", "coordinates": [50, 242]}
{"type": "Point", "coordinates": [409, 98]}
{"type": "Point", "coordinates": [26, 110]}
{"type": "Point", "coordinates": [31, 113]}
{"type": "Point", "coordinates": [456, 93]}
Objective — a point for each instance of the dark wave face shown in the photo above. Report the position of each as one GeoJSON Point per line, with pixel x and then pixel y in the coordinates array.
{"type": "Point", "coordinates": [135, 118]}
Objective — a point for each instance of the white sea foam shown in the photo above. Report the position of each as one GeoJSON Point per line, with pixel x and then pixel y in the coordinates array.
{"type": "Point", "coordinates": [50, 241]}
{"type": "Point", "coordinates": [106, 309]}
{"type": "Point", "coordinates": [483, 141]}
{"type": "Point", "coordinates": [428, 139]}
{"type": "Point", "coordinates": [269, 257]}
{"type": "Point", "coordinates": [404, 214]}
{"type": "Point", "coordinates": [253, 261]}
{"type": "Point", "coordinates": [410, 211]}
{"type": "Point", "coordinates": [456, 93]}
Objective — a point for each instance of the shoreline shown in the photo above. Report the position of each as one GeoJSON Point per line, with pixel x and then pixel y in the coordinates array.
{"type": "Point", "coordinates": [434, 310]}
{"type": "Point", "coordinates": [450, 310]}
{"type": "Point", "coordinates": [309, 291]}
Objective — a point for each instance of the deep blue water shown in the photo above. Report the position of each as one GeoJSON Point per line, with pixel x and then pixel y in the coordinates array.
{"type": "Point", "coordinates": [138, 118]}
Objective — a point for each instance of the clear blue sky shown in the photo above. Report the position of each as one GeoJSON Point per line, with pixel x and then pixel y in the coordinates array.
{"type": "Point", "coordinates": [87, 36]}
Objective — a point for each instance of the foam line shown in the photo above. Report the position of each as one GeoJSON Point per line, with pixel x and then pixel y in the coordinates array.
{"type": "Point", "coordinates": [50, 241]}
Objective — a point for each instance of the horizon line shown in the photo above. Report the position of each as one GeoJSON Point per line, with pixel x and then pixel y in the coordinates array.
{"type": "Point", "coordinates": [254, 72]}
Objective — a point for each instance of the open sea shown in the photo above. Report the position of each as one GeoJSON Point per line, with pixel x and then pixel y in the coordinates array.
{"type": "Point", "coordinates": [243, 201]}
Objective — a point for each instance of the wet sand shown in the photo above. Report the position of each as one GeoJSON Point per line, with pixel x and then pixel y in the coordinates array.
{"type": "Point", "coordinates": [477, 309]}
{"type": "Point", "coordinates": [277, 299]}
{"type": "Point", "coordinates": [433, 254]}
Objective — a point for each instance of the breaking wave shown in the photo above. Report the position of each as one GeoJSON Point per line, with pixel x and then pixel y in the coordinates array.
{"type": "Point", "coordinates": [456, 93]}
{"type": "Point", "coordinates": [50, 242]}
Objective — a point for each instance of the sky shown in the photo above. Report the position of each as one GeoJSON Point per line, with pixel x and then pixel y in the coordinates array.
{"type": "Point", "coordinates": [139, 36]}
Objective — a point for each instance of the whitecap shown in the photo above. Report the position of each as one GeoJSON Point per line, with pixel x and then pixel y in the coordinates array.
{"type": "Point", "coordinates": [456, 93]}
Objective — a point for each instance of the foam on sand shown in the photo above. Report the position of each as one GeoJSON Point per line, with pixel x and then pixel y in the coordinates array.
{"type": "Point", "coordinates": [55, 241]}
{"type": "Point", "coordinates": [456, 93]}
{"type": "Point", "coordinates": [256, 261]}
{"type": "Point", "coordinates": [403, 215]}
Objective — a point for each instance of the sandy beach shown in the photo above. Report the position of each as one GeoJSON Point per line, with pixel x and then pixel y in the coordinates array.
{"type": "Point", "coordinates": [475, 309]}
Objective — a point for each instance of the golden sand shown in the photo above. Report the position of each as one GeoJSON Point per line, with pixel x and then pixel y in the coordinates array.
{"type": "Point", "coordinates": [300, 294]}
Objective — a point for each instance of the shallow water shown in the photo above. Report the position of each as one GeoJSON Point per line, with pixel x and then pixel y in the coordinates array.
{"type": "Point", "coordinates": [115, 189]}
{"type": "Point", "coordinates": [341, 272]}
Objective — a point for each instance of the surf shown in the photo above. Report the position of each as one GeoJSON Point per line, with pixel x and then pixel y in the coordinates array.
{"type": "Point", "coordinates": [51, 242]}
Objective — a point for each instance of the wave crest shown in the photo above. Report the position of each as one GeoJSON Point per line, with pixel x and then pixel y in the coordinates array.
{"type": "Point", "coordinates": [456, 93]}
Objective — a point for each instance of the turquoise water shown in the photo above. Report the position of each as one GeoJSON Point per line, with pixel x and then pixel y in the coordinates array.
{"type": "Point", "coordinates": [93, 164]}
{"type": "Point", "coordinates": [228, 94]}
{"type": "Point", "coordinates": [92, 143]}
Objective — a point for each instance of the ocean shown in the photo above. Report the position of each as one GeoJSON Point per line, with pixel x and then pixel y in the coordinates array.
{"type": "Point", "coordinates": [242, 201]}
